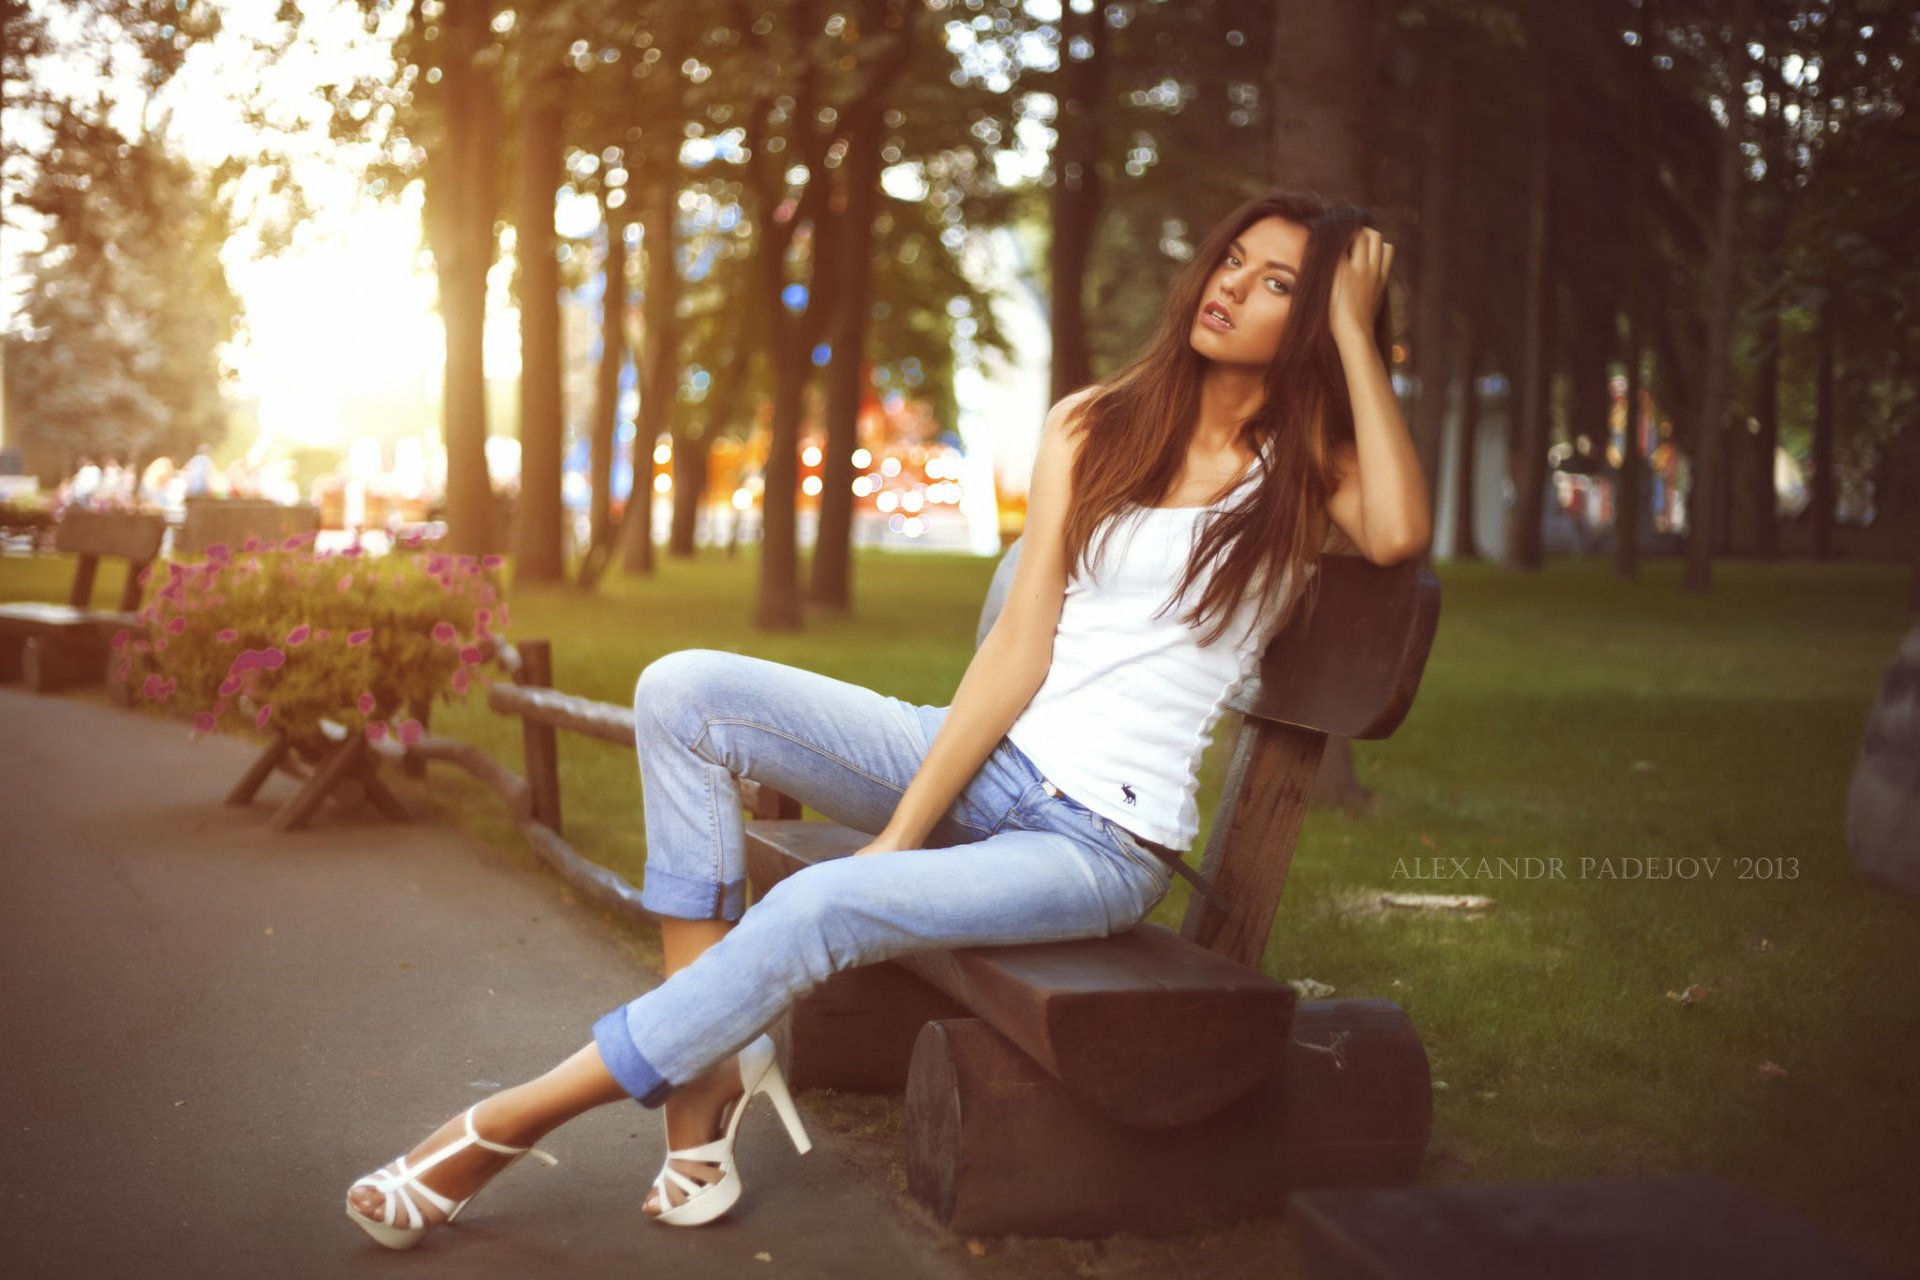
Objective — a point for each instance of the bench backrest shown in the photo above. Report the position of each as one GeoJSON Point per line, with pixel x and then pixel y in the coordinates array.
{"type": "Point", "coordinates": [1351, 668]}
{"type": "Point", "coordinates": [92, 534]}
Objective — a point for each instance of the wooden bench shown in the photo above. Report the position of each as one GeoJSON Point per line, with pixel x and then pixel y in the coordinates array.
{"type": "Point", "coordinates": [50, 646]}
{"type": "Point", "coordinates": [1150, 1081]}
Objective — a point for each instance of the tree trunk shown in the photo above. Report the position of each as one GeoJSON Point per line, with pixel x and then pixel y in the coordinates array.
{"type": "Point", "coordinates": [606, 388]}
{"type": "Point", "coordinates": [538, 553]}
{"type": "Point", "coordinates": [1709, 476]}
{"type": "Point", "coordinates": [1433, 353]}
{"type": "Point", "coordinates": [659, 367]}
{"type": "Point", "coordinates": [846, 375]}
{"type": "Point", "coordinates": [1821, 489]}
{"type": "Point", "coordinates": [1076, 193]}
{"type": "Point", "coordinates": [1527, 428]}
{"type": "Point", "coordinates": [1466, 541]}
{"type": "Point", "coordinates": [460, 213]}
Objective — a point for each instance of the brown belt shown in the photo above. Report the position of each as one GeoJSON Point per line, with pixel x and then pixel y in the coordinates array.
{"type": "Point", "coordinates": [1166, 854]}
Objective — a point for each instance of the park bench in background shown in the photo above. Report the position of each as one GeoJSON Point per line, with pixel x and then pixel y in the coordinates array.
{"type": "Point", "coordinates": [1149, 1081]}
{"type": "Point", "coordinates": [233, 520]}
{"type": "Point", "coordinates": [50, 646]}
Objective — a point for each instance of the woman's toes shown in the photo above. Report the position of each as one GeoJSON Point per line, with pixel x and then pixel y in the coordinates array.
{"type": "Point", "coordinates": [367, 1201]}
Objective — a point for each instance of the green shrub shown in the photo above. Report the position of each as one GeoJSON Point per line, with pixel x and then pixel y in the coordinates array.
{"type": "Point", "coordinates": [285, 636]}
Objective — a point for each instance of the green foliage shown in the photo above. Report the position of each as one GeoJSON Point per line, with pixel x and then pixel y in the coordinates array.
{"type": "Point", "coordinates": [126, 306]}
{"type": "Point", "coordinates": [290, 637]}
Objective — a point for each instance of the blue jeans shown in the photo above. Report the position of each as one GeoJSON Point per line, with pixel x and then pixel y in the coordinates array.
{"type": "Point", "coordinates": [1012, 861]}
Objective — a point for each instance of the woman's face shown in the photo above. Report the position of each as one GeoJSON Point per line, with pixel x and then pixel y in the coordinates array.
{"type": "Point", "coordinates": [1253, 283]}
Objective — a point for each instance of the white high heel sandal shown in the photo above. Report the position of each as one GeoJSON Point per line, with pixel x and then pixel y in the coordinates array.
{"type": "Point", "coordinates": [396, 1183]}
{"type": "Point", "coordinates": [705, 1201]}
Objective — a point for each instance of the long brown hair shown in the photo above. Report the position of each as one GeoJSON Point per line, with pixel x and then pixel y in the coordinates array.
{"type": "Point", "coordinates": [1140, 421]}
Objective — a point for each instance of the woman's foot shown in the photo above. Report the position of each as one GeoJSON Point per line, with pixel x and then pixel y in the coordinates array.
{"type": "Point", "coordinates": [694, 1117]}
{"type": "Point", "coordinates": [458, 1176]}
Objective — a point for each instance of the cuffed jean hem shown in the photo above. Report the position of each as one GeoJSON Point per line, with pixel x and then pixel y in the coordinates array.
{"type": "Point", "coordinates": [685, 898]}
{"type": "Point", "coordinates": [625, 1063]}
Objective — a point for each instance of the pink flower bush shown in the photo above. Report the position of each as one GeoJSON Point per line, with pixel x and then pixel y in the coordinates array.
{"type": "Point", "coordinates": [283, 636]}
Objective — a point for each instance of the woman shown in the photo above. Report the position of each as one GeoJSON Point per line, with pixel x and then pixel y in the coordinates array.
{"type": "Point", "coordinates": [1049, 799]}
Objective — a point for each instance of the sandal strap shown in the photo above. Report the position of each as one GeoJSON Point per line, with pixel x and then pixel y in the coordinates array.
{"type": "Point", "coordinates": [689, 1187]}
{"type": "Point", "coordinates": [713, 1151]}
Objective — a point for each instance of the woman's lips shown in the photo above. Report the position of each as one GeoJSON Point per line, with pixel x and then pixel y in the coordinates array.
{"type": "Point", "coordinates": [1212, 320]}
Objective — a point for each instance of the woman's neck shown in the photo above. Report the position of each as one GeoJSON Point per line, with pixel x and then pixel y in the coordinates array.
{"type": "Point", "coordinates": [1229, 395]}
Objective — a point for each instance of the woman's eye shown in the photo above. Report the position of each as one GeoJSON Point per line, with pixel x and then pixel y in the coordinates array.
{"type": "Point", "coordinates": [1281, 283]}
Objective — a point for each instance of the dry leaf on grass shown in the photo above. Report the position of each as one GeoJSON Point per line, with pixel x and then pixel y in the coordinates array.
{"type": "Point", "coordinates": [976, 1248]}
{"type": "Point", "coordinates": [1771, 1070]}
{"type": "Point", "coordinates": [1692, 995]}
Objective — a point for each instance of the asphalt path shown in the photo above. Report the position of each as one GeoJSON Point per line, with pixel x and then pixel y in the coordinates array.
{"type": "Point", "coordinates": [211, 1028]}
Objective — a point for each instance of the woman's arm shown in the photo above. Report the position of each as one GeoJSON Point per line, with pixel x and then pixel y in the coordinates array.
{"type": "Point", "coordinates": [1380, 502]}
{"type": "Point", "coordinates": [1012, 661]}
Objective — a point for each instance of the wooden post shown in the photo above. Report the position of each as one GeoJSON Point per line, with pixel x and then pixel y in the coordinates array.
{"type": "Point", "coordinates": [260, 770]}
{"type": "Point", "coordinates": [541, 741]}
{"type": "Point", "coordinates": [413, 765]}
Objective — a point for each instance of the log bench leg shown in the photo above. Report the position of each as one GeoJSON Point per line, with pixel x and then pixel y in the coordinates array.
{"type": "Point", "coordinates": [259, 771]}
{"type": "Point", "coordinates": [10, 648]}
{"type": "Point", "coordinates": [997, 1146]}
{"type": "Point", "coordinates": [855, 1032]}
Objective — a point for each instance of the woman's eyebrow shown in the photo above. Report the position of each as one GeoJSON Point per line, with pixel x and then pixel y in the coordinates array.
{"type": "Point", "coordinates": [1236, 245]}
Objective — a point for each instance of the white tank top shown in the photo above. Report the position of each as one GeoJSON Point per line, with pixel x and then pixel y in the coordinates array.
{"type": "Point", "coordinates": [1129, 704]}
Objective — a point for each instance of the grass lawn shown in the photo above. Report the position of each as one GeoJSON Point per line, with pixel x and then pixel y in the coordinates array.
{"type": "Point", "coordinates": [1564, 715]}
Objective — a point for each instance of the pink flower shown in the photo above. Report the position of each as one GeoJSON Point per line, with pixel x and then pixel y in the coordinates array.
{"type": "Point", "coordinates": [471, 654]}
{"type": "Point", "coordinates": [411, 731]}
{"type": "Point", "coordinates": [264, 659]}
{"type": "Point", "coordinates": [175, 627]}
{"type": "Point", "coordinates": [203, 722]}
{"type": "Point", "coordinates": [121, 637]}
{"type": "Point", "coordinates": [230, 686]}
{"type": "Point", "coordinates": [160, 645]}
{"type": "Point", "coordinates": [227, 635]}
{"type": "Point", "coordinates": [357, 638]}
{"type": "Point", "coordinates": [219, 552]}
{"type": "Point", "coordinates": [251, 544]}
{"type": "Point", "coordinates": [345, 584]}
{"type": "Point", "coordinates": [492, 562]}
{"type": "Point", "coordinates": [444, 633]}
{"type": "Point", "coordinates": [376, 730]}
{"type": "Point", "coordinates": [481, 617]}
{"type": "Point", "coordinates": [366, 704]}
{"type": "Point", "coordinates": [260, 721]}
{"type": "Point", "coordinates": [299, 634]}
{"type": "Point", "coordinates": [461, 680]}
{"type": "Point", "coordinates": [151, 689]}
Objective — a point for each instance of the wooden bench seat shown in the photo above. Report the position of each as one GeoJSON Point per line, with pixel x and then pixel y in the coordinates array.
{"type": "Point", "coordinates": [49, 646]}
{"type": "Point", "coordinates": [1117, 1020]}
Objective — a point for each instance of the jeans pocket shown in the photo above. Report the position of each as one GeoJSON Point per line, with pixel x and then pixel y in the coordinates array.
{"type": "Point", "coordinates": [1129, 847]}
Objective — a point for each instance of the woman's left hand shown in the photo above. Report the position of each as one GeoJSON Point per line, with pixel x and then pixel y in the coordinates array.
{"type": "Point", "coordinates": [1360, 281]}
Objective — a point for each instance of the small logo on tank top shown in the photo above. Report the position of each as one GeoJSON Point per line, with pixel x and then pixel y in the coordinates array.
{"type": "Point", "coordinates": [1126, 789]}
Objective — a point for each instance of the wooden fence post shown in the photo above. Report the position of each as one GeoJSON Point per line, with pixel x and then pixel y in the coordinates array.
{"type": "Point", "coordinates": [541, 740]}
